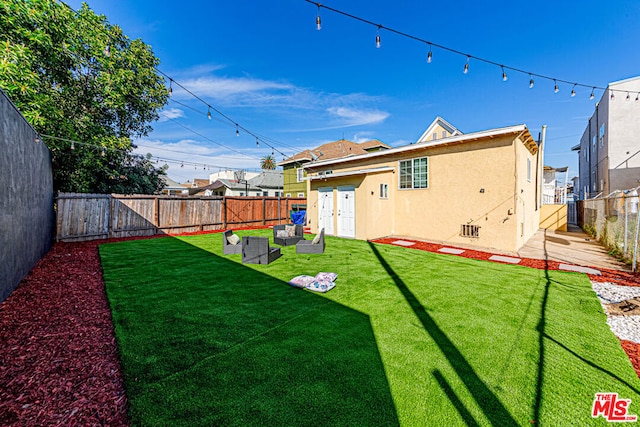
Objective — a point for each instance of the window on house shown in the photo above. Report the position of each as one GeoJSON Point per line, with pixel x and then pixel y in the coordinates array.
{"type": "Point", "coordinates": [288, 194]}
{"type": "Point", "coordinates": [414, 173]}
{"type": "Point", "coordinates": [593, 141]}
{"type": "Point", "coordinates": [242, 193]}
{"type": "Point", "coordinates": [444, 133]}
{"type": "Point", "coordinates": [435, 135]}
{"type": "Point", "coordinates": [384, 191]}
{"type": "Point", "coordinates": [300, 194]}
{"type": "Point", "coordinates": [469, 230]}
{"type": "Point", "coordinates": [265, 193]}
{"type": "Point", "coordinates": [300, 174]}
{"type": "Point", "coordinates": [529, 170]}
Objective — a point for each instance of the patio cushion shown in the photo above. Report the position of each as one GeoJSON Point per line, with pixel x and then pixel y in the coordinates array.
{"type": "Point", "coordinates": [234, 239]}
{"type": "Point", "coordinates": [291, 230]}
{"type": "Point", "coordinates": [283, 234]}
{"type": "Point", "coordinates": [330, 277]}
{"type": "Point", "coordinates": [301, 281]}
{"type": "Point", "coordinates": [320, 286]}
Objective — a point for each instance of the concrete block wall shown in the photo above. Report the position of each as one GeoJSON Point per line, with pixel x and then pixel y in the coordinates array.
{"type": "Point", "coordinates": [26, 198]}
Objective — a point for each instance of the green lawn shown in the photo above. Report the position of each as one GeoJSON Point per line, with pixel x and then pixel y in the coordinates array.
{"type": "Point", "coordinates": [405, 338]}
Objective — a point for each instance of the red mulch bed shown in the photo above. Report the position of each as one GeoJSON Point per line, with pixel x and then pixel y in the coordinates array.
{"type": "Point", "coordinates": [58, 358]}
{"type": "Point", "coordinates": [618, 277]}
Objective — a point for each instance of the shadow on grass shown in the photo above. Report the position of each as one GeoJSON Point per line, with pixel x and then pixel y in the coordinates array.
{"type": "Point", "coordinates": [205, 340]}
{"type": "Point", "coordinates": [488, 402]}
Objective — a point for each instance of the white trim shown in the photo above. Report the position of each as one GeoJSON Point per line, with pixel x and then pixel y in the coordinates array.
{"type": "Point", "coordinates": [350, 173]}
{"type": "Point", "coordinates": [413, 147]}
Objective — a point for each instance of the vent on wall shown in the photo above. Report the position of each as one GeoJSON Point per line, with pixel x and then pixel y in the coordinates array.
{"type": "Point", "coordinates": [468, 230]}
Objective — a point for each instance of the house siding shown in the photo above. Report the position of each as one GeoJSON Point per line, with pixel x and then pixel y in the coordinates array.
{"type": "Point", "coordinates": [480, 183]}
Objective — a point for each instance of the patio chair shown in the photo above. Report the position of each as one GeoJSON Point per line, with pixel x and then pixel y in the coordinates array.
{"type": "Point", "coordinates": [315, 246]}
{"type": "Point", "coordinates": [256, 250]}
{"type": "Point", "coordinates": [285, 235]}
{"type": "Point", "coordinates": [228, 247]}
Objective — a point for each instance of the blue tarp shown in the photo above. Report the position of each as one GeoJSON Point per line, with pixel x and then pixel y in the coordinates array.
{"type": "Point", "coordinates": [298, 217]}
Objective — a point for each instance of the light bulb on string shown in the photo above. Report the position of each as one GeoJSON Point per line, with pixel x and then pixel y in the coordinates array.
{"type": "Point", "coordinates": [429, 55]}
{"type": "Point", "coordinates": [573, 90]}
{"type": "Point", "coordinates": [504, 74]}
{"type": "Point", "coordinates": [170, 86]}
{"type": "Point", "coordinates": [612, 95]}
{"type": "Point", "coordinates": [466, 66]}
{"type": "Point", "coordinates": [531, 83]}
{"type": "Point", "coordinates": [73, 145]}
{"type": "Point", "coordinates": [592, 94]}
{"type": "Point", "coordinates": [102, 153]}
{"type": "Point", "coordinates": [628, 96]}
{"type": "Point", "coordinates": [378, 37]}
{"type": "Point", "coordinates": [555, 87]}
{"type": "Point", "coordinates": [237, 130]}
{"type": "Point", "coordinates": [318, 26]}
{"type": "Point", "coordinates": [209, 113]}
{"type": "Point", "coordinates": [637, 96]}
{"type": "Point", "coordinates": [257, 143]}
{"type": "Point", "coordinates": [182, 164]}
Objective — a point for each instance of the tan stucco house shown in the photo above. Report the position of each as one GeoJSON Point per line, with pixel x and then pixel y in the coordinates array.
{"type": "Point", "coordinates": [481, 189]}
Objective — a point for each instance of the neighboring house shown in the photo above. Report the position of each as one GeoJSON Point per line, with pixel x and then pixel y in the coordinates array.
{"type": "Point", "coordinates": [439, 129]}
{"type": "Point", "coordinates": [480, 189]}
{"type": "Point", "coordinates": [231, 174]}
{"type": "Point", "coordinates": [268, 183]}
{"type": "Point", "coordinates": [295, 184]}
{"type": "Point", "coordinates": [554, 187]}
{"type": "Point", "coordinates": [173, 188]}
{"type": "Point", "coordinates": [609, 150]}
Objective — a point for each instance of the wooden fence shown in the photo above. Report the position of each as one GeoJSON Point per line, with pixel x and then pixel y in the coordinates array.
{"type": "Point", "coordinates": [100, 216]}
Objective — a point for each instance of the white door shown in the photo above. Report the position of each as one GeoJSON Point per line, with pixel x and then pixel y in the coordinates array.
{"type": "Point", "coordinates": [346, 212]}
{"type": "Point", "coordinates": [325, 210]}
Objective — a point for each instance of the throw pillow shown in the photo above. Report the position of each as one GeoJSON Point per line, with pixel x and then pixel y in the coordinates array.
{"type": "Point", "coordinates": [328, 277]}
{"type": "Point", "coordinates": [282, 234]}
{"type": "Point", "coordinates": [316, 240]}
{"type": "Point", "coordinates": [291, 230]}
{"type": "Point", "coordinates": [320, 286]}
{"type": "Point", "coordinates": [301, 281]}
{"type": "Point", "coordinates": [233, 239]}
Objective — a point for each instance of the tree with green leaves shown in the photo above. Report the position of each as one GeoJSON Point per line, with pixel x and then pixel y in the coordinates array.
{"type": "Point", "coordinates": [75, 77]}
{"type": "Point", "coordinates": [268, 162]}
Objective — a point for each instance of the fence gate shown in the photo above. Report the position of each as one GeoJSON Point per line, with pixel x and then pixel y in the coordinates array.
{"type": "Point", "coordinates": [572, 213]}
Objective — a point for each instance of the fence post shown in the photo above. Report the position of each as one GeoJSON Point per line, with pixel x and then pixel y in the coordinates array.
{"type": "Point", "coordinates": [109, 215]}
{"type": "Point", "coordinates": [156, 214]}
{"type": "Point", "coordinates": [264, 210]}
{"type": "Point", "coordinates": [635, 244]}
{"type": "Point", "coordinates": [224, 212]}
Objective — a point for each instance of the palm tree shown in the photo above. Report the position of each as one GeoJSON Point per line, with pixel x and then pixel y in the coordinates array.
{"type": "Point", "coordinates": [268, 162]}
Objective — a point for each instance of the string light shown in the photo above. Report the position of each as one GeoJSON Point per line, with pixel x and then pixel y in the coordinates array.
{"type": "Point", "coordinates": [237, 131]}
{"type": "Point", "coordinates": [555, 87]}
{"type": "Point", "coordinates": [612, 94]}
{"type": "Point", "coordinates": [102, 153]}
{"type": "Point", "coordinates": [466, 66]}
{"type": "Point", "coordinates": [573, 91]}
{"type": "Point", "coordinates": [378, 37]}
{"type": "Point", "coordinates": [504, 75]}
{"type": "Point", "coordinates": [73, 145]}
{"type": "Point", "coordinates": [318, 26]}
{"type": "Point", "coordinates": [637, 96]}
{"type": "Point", "coordinates": [257, 143]}
{"type": "Point", "coordinates": [487, 61]}
{"type": "Point", "coordinates": [592, 94]}
{"type": "Point", "coordinates": [170, 86]}
{"type": "Point", "coordinates": [628, 96]}
{"type": "Point", "coordinates": [209, 113]}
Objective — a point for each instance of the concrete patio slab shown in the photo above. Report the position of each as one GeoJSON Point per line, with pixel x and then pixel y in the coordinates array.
{"type": "Point", "coordinates": [571, 247]}
{"type": "Point", "coordinates": [510, 260]}
{"type": "Point", "coordinates": [403, 243]}
{"type": "Point", "coordinates": [579, 269]}
{"type": "Point", "coordinates": [453, 251]}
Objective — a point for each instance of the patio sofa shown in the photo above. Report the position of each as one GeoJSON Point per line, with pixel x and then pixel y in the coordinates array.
{"type": "Point", "coordinates": [256, 250]}
{"type": "Point", "coordinates": [285, 235]}
{"type": "Point", "coordinates": [228, 247]}
{"type": "Point", "coordinates": [315, 246]}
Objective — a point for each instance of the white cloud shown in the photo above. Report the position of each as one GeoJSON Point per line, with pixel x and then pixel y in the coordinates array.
{"type": "Point", "coordinates": [356, 117]}
{"type": "Point", "coordinates": [171, 113]}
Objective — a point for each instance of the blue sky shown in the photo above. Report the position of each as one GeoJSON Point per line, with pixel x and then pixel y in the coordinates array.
{"type": "Point", "coordinates": [265, 65]}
